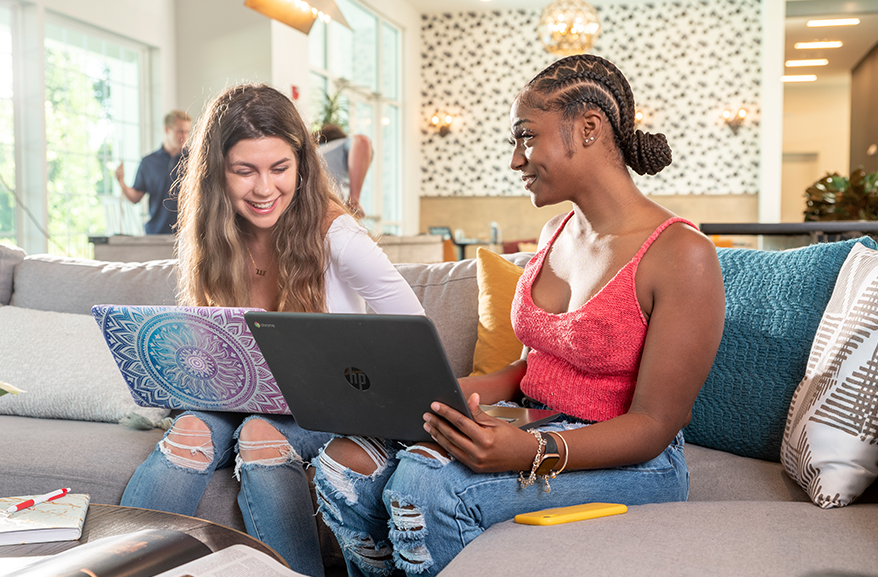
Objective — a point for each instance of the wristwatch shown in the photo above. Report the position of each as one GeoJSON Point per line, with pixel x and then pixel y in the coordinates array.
{"type": "Point", "coordinates": [550, 456]}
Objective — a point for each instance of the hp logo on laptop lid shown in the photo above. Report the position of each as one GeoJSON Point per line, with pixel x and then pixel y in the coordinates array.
{"type": "Point", "coordinates": [357, 378]}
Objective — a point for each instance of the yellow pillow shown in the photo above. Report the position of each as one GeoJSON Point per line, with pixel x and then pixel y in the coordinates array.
{"type": "Point", "coordinates": [496, 345]}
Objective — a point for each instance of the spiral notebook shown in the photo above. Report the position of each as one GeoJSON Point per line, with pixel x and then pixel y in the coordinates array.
{"type": "Point", "coordinates": [201, 358]}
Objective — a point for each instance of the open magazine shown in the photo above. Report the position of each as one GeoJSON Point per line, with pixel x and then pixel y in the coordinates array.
{"type": "Point", "coordinates": [233, 561]}
{"type": "Point", "coordinates": [152, 553]}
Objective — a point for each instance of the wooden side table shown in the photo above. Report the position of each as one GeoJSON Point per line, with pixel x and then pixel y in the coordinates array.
{"type": "Point", "coordinates": [110, 520]}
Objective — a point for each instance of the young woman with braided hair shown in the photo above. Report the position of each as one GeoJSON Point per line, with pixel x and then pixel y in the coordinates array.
{"type": "Point", "coordinates": [621, 314]}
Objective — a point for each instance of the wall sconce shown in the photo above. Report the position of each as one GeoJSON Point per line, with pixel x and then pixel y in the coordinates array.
{"type": "Point", "coordinates": [442, 123]}
{"type": "Point", "coordinates": [734, 120]}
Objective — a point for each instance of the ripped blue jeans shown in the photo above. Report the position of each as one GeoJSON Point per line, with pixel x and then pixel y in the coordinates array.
{"type": "Point", "coordinates": [274, 498]}
{"type": "Point", "coordinates": [415, 513]}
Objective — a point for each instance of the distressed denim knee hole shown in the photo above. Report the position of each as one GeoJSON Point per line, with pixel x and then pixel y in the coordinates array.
{"type": "Point", "coordinates": [435, 459]}
{"type": "Point", "coordinates": [286, 454]}
{"type": "Point", "coordinates": [408, 532]}
{"type": "Point", "coordinates": [369, 556]}
{"type": "Point", "coordinates": [341, 478]}
{"type": "Point", "coordinates": [406, 517]}
{"type": "Point", "coordinates": [193, 441]}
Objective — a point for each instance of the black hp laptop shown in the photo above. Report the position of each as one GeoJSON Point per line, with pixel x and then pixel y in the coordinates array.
{"type": "Point", "coordinates": [370, 375]}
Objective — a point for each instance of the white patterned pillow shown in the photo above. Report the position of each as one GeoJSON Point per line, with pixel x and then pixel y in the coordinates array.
{"type": "Point", "coordinates": [64, 366]}
{"type": "Point", "coordinates": [830, 444]}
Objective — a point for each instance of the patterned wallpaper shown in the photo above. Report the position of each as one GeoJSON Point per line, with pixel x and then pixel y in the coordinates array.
{"type": "Point", "coordinates": [686, 62]}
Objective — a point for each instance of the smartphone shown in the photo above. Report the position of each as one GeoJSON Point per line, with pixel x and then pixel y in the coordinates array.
{"type": "Point", "coordinates": [572, 513]}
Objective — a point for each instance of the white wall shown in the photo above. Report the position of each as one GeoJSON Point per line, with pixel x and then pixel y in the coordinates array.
{"type": "Point", "coordinates": [289, 65]}
{"type": "Point", "coordinates": [817, 119]}
{"type": "Point", "coordinates": [219, 43]}
{"type": "Point", "coordinates": [816, 138]}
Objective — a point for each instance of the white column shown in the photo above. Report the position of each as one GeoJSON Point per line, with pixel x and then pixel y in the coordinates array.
{"type": "Point", "coordinates": [30, 129]}
{"type": "Point", "coordinates": [771, 113]}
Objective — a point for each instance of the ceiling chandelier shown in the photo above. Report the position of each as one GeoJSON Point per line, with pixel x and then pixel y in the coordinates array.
{"type": "Point", "coordinates": [569, 27]}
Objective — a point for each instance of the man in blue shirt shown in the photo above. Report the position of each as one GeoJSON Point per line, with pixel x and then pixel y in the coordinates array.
{"type": "Point", "coordinates": [157, 175]}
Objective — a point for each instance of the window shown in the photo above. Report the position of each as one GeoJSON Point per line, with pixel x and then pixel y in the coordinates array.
{"type": "Point", "coordinates": [7, 131]}
{"type": "Point", "coordinates": [363, 64]}
{"type": "Point", "coordinates": [58, 187]}
{"type": "Point", "coordinates": [93, 119]}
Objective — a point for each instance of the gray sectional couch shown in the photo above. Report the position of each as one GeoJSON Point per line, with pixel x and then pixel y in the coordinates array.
{"type": "Point", "coordinates": [745, 516]}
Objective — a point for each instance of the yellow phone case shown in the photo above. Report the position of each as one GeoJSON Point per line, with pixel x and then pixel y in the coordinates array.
{"type": "Point", "coordinates": [572, 513]}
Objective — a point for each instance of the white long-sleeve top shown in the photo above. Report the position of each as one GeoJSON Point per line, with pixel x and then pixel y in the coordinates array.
{"type": "Point", "coordinates": [359, 273]}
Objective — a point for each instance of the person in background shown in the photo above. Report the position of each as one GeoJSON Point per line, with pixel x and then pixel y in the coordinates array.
{"type": "Point", "coordinates": [260, 227]}
{"type": "Point", "coordinates": [347, 160]}
{"type": "Point", "coordinates": [157, 175]}
{"type": "Point", "coordinates": [621, 312]}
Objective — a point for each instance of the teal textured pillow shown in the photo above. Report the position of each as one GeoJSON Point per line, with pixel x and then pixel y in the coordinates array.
{"type": "Point", "coordinates": [774, 303]}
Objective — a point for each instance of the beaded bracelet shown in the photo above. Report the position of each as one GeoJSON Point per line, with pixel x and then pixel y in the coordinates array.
{"type": "Point", "coordinates": [537, 459]}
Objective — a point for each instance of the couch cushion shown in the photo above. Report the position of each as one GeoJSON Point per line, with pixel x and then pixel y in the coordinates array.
{"type": "Point", "coordinates": [720, 476]}
{"type": "Point", "coordinates": [449, 293]}
{"type": "Point", "coordinates": [774, 301]}
{"type": "Point", "coordinates": [684, 539]}
{"type": "Point", "coordinates": [40, 455]}
{"type": "Point", "coordinates": [73, 285]}
{"type": "Point", "coordinates": [64, 366]}
{"type": "Point", "coordinates": [9, 258]}
{"type": "Point", "coordinates": [830, 444]}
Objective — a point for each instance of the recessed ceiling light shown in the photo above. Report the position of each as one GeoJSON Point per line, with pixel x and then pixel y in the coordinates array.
{"type": "Point", "coordinates": [833, 22]}
{"type": "Point", "coordinates": [799, 78]}
{"type": "Point", "coordinates": [816, 45]}
{"type": "Point", "coordinates": [799, 63]}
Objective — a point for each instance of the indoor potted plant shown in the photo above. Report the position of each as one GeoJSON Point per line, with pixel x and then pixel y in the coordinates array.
{"type": "Point", "coordinates": [835, 197]}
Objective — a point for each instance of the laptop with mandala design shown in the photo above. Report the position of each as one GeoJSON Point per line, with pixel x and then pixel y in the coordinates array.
{"type": "Point", "coordinates": [202, 358]}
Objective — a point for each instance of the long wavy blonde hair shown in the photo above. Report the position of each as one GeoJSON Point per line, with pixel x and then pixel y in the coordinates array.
{"type": "Point", "coordinates": [212, 256]}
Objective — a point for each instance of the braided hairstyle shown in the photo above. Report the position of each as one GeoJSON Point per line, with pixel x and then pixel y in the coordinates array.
{"type": "Point", "coordinates": [588, 82]}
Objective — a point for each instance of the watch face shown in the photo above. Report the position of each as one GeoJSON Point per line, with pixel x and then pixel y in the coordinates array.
{"type": "Point", "coordinates": [548, 463]}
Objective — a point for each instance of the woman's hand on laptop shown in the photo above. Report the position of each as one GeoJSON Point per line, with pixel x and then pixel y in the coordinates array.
{"type": "Point", "coordinates": [484, 444]}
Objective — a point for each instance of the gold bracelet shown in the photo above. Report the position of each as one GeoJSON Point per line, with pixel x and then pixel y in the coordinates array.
{"type": "Point", "coordinates": [537, 459]}
{"type": "Point", "coordinates": [566, 456]}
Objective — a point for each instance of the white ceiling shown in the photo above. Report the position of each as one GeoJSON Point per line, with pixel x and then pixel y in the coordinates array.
{"type": "Point", "coordinates": [857, 40]}
{"type": "Point", "coordinates": [434, 6]}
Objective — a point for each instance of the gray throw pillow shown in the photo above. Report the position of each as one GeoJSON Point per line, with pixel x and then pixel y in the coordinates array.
{"type": "Point", "coordinates": [9, 257]}
{"type": "Point", "coordinates": [64, 366]}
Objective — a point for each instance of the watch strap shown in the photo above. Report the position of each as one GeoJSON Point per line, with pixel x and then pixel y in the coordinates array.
{"type": "Point", "coordinates": [550, 456]}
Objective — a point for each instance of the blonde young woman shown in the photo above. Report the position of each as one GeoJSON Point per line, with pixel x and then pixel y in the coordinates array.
{"type": "Point", "coordinates": [260, 227]}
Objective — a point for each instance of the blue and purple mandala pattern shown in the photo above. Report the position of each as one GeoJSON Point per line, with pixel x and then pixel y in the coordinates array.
{"type": "Point", "coordinates": [190, 358]}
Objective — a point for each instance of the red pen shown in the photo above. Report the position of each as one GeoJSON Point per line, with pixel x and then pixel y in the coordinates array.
{"type": "Point", "coordinates": [38, 499]}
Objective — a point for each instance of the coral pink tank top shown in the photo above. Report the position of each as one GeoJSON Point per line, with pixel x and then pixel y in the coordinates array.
{"type": "Point", "coordinates": [584, 363]}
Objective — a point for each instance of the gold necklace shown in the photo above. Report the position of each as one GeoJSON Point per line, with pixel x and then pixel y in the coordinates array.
{"type": "Point", "coordinates": [259, 271]}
